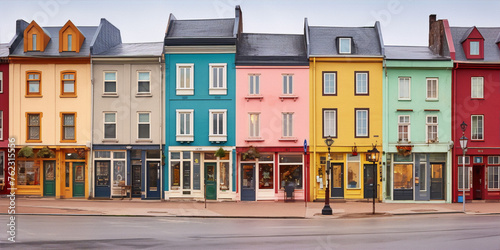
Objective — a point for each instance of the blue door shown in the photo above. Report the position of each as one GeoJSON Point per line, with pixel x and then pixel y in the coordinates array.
{"type": "Point", "coordinates": [248, 181]}
{"type": "Point", "coordinates": [102, 182]}
{"type": "Point", "coordinates": [153, 180]}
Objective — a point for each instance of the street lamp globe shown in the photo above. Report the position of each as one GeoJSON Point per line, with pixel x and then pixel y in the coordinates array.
{"type": "Point", "coordinates": [329, 141]}
{"type": "Point", "coordinates": [463, 142]}
{"type": "Point", "coordinates": [373, 155]}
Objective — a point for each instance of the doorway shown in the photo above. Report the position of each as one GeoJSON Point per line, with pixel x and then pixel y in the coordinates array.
{"type": "Point", "coordinates": [437, 183]}
{"type": "Point", "coordinates": [477, 182]}
{"type": "Point", "coordinates": [136, 178]}
{"type": "Point", "coordinates": [370, 180]}
{"type": "Point", "coordinates": [78, 179]}
{"type": "Point", "coordinates": [337, 180]}
{"type": "Point", "coordinates": [102, 181]}
{"type": "Point", "coordinates": [248, 182]}
{"type": "Point", "coordinates": [210, 181]}
{"type": "Point", "coordinates": [153, 180]}
{"type": "Point", "coordinates": [49, 182]}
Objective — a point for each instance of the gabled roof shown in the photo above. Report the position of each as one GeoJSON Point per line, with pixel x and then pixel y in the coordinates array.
{"type": "Point", "coordinates": [468, 33]}
{"type": "Point", "coordinates": [4, 49]}
{"type": "Point", "coordinates": [490, 35]}
{"type": "Point", "coordinates": [133, 50]}
{"type": "Point", "coordinates": [411, 53]}
{"type": "Point", "coordinates": [323, 40]}
{"type": "Point", "coordinates": [271, 49]}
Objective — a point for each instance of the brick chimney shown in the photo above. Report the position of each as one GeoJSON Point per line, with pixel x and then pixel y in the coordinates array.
{"type": "Point", "coordinates": [436, 35]}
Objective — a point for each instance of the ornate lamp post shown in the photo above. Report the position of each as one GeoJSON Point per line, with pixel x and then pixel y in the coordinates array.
{"type": "Point", "coordinates": [373, 157]}
{"type": "Point", "coordinates": [463, 145]}
{"type": "Point", "coordinates": [327, 210]}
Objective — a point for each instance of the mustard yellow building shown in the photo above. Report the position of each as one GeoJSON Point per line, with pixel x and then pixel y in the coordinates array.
{"type": "Point", "coordinates": [50, 107]}
{"type": "Point", "coordinates": [345, 104]}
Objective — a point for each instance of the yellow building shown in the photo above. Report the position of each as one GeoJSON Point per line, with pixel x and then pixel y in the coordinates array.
{"type": "Point", "coordinates": [346, 104]}
{"type": "Point", "coordinates": [50, 107]}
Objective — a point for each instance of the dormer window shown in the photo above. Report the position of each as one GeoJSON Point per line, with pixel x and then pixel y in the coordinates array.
{"type": "Point", "coordinates": [474, 48]}
{"type": "Point", "coordinates": [35, 38]}
{"type": "Point", "coordinates": [70, 43]}
{"type": "Point", "coordinates": [345, 45]}
{"type": "Point", "coordinates": [473, 44]}
{"type": "Point", "coordinates": [70, 38]}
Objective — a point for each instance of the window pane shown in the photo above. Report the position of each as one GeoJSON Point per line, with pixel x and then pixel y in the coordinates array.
{"type": "Point", "coordinates": [69, 86]}
{"type": "Point", "coordinates": [109, 117]}
{"type": "Point", "coordinates": [221, 125]}
{"type": "Point", "coordinates": [291, 175]}
{"type": "Point", "coordinates": [34, 133]}
{"type": "Point", "coordinates": [345, 45]}
{"type": "Point", "coordinates": [110, 76]}
{"type": "Point", "coordinates": [403, 176]}
{"type": "Point", "coordinates": [34, 86]}
{"type": "Point", "coordinates": [143, 87]}
{"type": "Point", "coordinates": [224, 176]}
{"type": "Point", "coordinates": [143, 131]}
{"type": "Point", "coordinates": [69, 133]}
{"type": "Point", "coordinates": [186, 174]}
{"type": "Point", "coordinates": [187, 83]}
{"type": "Point", "coordinates": [257, 85]}
{"type": "Point", "coordinates": [188, 124]}
{"type": "Point", "coordinates": [144, 117]}
{"type": "Point", "coordinates": [70, 42]}
{"type": "Point", "coordinates": [34, 120]}
{"type": "Point", "coordinates": [474, 48]}
{"type": "Point", "coordinates": [110, 87]}
{"type": "Point", "coordinates": [144, 76]}
{"type": "Point", "coordinates": [353, 174]}
{"type": "Point", "coordinates": [176, 174]}
{"type": "Point", "coordinates": [109, 131]}
{"type": "Point", "coordinates": [69, 120]}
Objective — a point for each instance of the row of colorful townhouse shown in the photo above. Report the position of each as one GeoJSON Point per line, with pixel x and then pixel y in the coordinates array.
{"type": "Point", "coordinates": [216, 113]}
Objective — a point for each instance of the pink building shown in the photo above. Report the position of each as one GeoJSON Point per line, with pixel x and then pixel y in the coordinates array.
{"type": "Point", "coordinates": [272, 116]}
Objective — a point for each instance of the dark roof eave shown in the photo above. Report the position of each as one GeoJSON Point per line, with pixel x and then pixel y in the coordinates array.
{"type": "Point", "coordinates": [200, 41]}
{"type": "Point", "coordinates": [268, 63]}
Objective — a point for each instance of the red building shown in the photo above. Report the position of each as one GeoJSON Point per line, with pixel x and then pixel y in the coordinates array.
{"type": "Point", "coordinates": [476, 101]}
{"type": "Point", "coordinates": [4, 116]}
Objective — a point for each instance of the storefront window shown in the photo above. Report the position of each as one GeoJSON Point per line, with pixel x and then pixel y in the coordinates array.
{"type": "Point", "coordinates": [224, 176]}
{"type": "Point", "coordinates": [290, 158]}
{"type": "Point", "coordinates": [102, 154]}
{"type": "Point", "coordinates": [210, 156]}
{"type": "Point", "coordinates": [353, 167]}
{"type": "Point", "coordinates": [2, 166]}
{"type": "Point", "coordinates": [196, 171]}
{"type": "Point", "coordinates": [67, 174]}
{"type": "Point", "coordinates": [74, 156]}
{"type": "Point", "coordinates": [119, 155]}
{"type": "Point", "coordinates": [266, 157]}
{"type": "Point", "coordinates": [135, 154]}
{"type": "Point", "coordinates": [175, 155]}
{"type": "Point", "coordinates": [118, 173]}
{"type": "Point", "coordinates": [28, 173]}
{"type": "Point", "coordinates": [186, 174]}
{"type": "Point", "coordinates": [266, 176]}
{"type": "Point", "coordinates": [403, 176]}
{"type": "Point", "coordinates": [461, 178]}
{"type": "Point", "coordinates": [176, 173]}
{"type": "Point", "coordinates": [493, 173]}
{"type": "Point", "coordinates": [291, 175]}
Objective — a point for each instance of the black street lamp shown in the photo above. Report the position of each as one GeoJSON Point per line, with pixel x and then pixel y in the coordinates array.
{"type": "Point", "coordinates": [327, 210]}
{"type": "Point", "coordinates": [373, 157]}
{"type": "Point", "coordinates": [463, 145]}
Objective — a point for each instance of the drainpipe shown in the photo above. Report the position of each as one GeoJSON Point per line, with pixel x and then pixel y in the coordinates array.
{"type": "Point", "coordinates": [90, 163]}
{"type": "Point", "coordinates": [161, 123]}
{"type": "Point", "coordinates": [313, 139]}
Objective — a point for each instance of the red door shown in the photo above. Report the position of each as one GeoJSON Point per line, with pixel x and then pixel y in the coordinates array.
{"type": "Point", "coordinates": [478, 182]}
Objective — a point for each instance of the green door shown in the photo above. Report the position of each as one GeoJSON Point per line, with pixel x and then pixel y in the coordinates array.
{"type": "Point", "coordinates": [78, 179]}
{"type": "Point", "coordinates": [210, 181]}
{"type": "Point", "coordinates": [49, 175]}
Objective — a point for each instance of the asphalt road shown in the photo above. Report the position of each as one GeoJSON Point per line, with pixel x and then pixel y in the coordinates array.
{"type": "Point", "coordinates": [397, 232]}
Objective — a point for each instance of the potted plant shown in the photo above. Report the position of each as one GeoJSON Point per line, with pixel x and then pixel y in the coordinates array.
{"type": "Point", "coordinates": [45, 152]}
{"type": "Point", "coordinates": [220, 153]}
{"type": "Point", "coordinates": [26, 152]}
{"type": "Point", "coordinates": [251, 154]}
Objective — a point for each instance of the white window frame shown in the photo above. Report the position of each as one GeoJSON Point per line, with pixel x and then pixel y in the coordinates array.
{"type": "Point", "coordinates": [493, 173]}
{"type": "Point", "coordinates": [428, 125]}
{"type": "Point", "coordinates": [399, 88]}
{"type": "Point", "coordinates": [285, 80]}
{"type": "Point", "coordinates": [217, 90]}
{"type": "Point", "coordinates": [217, 137]}
{"type": "Point", "coordinates": [404, 123]}
{"type": "Point", "coordinates": [358, 92]}
{"type": "Point", "coordinates": [333, 125]}
{"type": "Point", "coordinates": [472, 127]}
{"type": "Point", "coordinates": [185, 90]}
{"type": "Point", "coordinates": [252, 86]}
{"type": "Point", "coordinates": [104, 83]}
{"type": "Point", "coordinates": [334, 87]}
{"type": "Point", "coordinates": [1, 124]}
{"type": "Point", "coordinates": [139, 81]}
{"type": "Point", "coordinates": [358, 123]}
{"type": "Point", "coordinates": [467, 160]}
{"type": "Point", "coordinates": [253, 131]}
{"type": "Point", "coordinates": [142, 123]}
{"type": "Point", "coordinates": [429, 80]}
{"type": "Point", "coordinates": [471, 52]}
{"type": "Point", "coordinates": [287, 125]}
{"type": "Point", "coordinates": [1, 82]}
{"type": "Point", "coordinates": [468, 172]}
{"type": "Point", "coordinates": [343, 40]}
{"type": "Point", "coordinates": [479, 93]}
{"type": "Point", "coordinates": [184, 137]}
{"type": "Point", "coordinates": [104, 125]}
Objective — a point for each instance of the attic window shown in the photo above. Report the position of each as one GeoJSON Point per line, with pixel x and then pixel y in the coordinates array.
{"type": "Point", "coordinates": [70, 43]}
{"type": "Point", "coordinates": [474, 48]}
{"type": "Point", "coordinates": [345, 45]}
{"type": "Point", "coordinates": [33, 42]}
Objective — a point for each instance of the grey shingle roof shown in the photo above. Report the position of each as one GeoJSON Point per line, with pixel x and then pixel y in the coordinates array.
{"type": "Point", "coordinates": [262, 49]}
{"type": "Point", "coordinates": [201, 28]}
{"type": "Point", "coordinates": [4, 49]}
{"type": "Point", "coordinates": [490, 35]}
{"type": "Point", "coordinates": [411, 53]}
{"type": "Point", "coordinates": [134, 50]}
{"type": "Point", "coordinates": [323, 41]}
{"type": "Point", "coordinates": [52, 48]}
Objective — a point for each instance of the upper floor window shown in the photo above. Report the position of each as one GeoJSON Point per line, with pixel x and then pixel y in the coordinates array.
{"type": "Point", "coordinates": [33, 42]}
{"type": "Point", "coordinates": [432, 89]}
{"type": "Point", "coordinates": [1, 82]}
{"type": "Point", "coordinates": [34, 84]}
{"type": "Point", "coordinates": [143, 125]}
{"type": "Point", "coordinates": [70, 43]}
{"type": "Point", "coordinates": [143, 82]}
{"type": "Point", "coordinates": [34, 127]}
{"type": "Point", "coordinates": [362, 123]}
{"type": "Point", "coordinates": [287, 84]}
{"type": "Point", "coordinates": [254, 126]}
{"type": "Point", "coordinates": [330, 123]}
{"type": "Point", "coordinates": [184, 128]}
{"type": "Point", "coordinates": [110, 83]}
{"type": "Point", "coordinates": [361, 84]}
{"type": "Point", "coordinates": [477, 127]}
{"type": "Point", "coordinates": [329, 83]}
{"type": "Point", "coordinates": [218, 125]}
{"type": "Point", "coordinates": [68, 84]}
{"type": "Point", "coordinates": [109, 125]}
{"type": "Point", "coordinates": [287, 122]}
{"type": "Point", "coordinates": [68, 127]}
{"type": "Point", "coordinates": [432, 128]}
{"type": "Point", "coordinates": [477, 86]}
{"type": "Point", "coordinates": [345, 45]}
{"type": "Point", "coordinates": [404, 128]}
{"type": "Point", "coordinates": [404, 88]}
{"type": "Point", "coordinates": [185, 79]}
{"type": "Point", "coordinates": [474, 48]}
{"type": "Point", "coordinates": [218, 79]}
{"type": "Point", "coordinates": [254, 84]}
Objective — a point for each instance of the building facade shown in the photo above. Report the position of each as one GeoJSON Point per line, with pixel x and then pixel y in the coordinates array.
{"type": "Point", "coordinates": [4, 118]}
{"type": "Point", "coordinates": [272, 116]}
{"type": "Point", "coordinates": [345, 104]}
{"type": "Point", "coordinates": [127, 119]}
{"type": "Point", "coordinates": [200, 108]}
{"type": "Point", "coordinates": [50, 107]}
{"type": "Point", "coordinates": [417, 134]}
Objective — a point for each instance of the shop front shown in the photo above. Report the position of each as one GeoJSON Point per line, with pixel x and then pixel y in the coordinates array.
{"type": "Point", "coordinates": [52, 172]}
{"type": "Point", "coordinates": [417, 176]}
{"type": "Point", "coordinates": [198, 173]}
{"type": "Point", "coordinates": [135, 168]}
{"type": "Point", "coordinates": [481, 177]}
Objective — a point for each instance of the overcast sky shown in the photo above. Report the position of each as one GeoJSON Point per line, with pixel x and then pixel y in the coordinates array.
{"type": "Point", "coordinates": [404, 22]}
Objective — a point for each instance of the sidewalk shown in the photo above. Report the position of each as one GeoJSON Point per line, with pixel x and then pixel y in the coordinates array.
{"type": "Point", "coordinates": [241, 209]}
